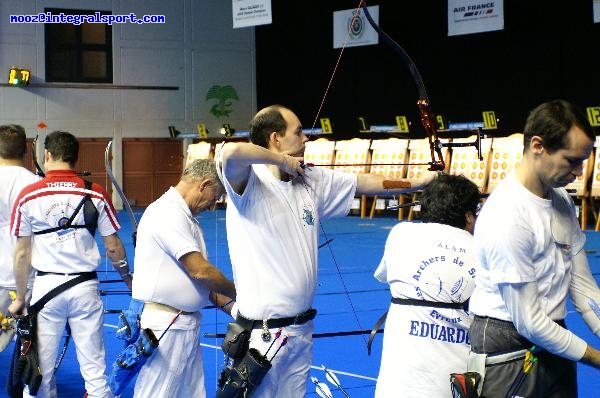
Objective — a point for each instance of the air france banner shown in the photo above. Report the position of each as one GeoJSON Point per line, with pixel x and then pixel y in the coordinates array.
{"type": "Point", "coordinates": [351, 28]}
{"type": "Point", "coordinates": [472, 16]}
{"type": "Point", "coordinates": [251, 13]}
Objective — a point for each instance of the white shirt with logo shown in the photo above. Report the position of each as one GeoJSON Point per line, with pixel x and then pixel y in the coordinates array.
{"type": "Point", "coordinates": [272, 232]}
{"type": "Point", "coordinates": [422, 345]}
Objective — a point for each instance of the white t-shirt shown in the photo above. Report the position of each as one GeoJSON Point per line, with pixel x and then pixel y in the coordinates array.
{"type": "Point", "coordinates": [515, 243]}
{"type": "Point", "coordinates": [12, 180]}
{"type": "Point", "coordinates": [168, 231]}
{"type": "Point", "coordinates": [272, 232]}
{"type": "Point", "coordinates": [423, 345]}
{"type": "Point", "coordinates": [48, 203]}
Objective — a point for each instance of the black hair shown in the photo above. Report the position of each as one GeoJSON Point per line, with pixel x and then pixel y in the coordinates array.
{"type": "Point", "coordinates": [63, 146]}
{"type": "Point", "coordinates": [264, 123]}
{"type": "Point", "coordinates": [552, 121]}
{"type": "Point", "coordinates": [13, 142]}
{"type": "Point", "coordinates": [448, 198]}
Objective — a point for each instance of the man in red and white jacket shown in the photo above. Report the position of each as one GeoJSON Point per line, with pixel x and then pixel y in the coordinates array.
{"type": "Point", "coordinates": [54, 221]}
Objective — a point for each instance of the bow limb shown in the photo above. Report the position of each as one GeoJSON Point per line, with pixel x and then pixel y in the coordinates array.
{"type": "Point", "coordinates": [39, 170]}
{"type": "Point", "coordinates": [427, 118]}
{"type": "Point", "coordinates": [126, 204]}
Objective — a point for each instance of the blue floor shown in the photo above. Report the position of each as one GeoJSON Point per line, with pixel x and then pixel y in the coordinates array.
{"type": "Point", "coordinates": [355, 250]}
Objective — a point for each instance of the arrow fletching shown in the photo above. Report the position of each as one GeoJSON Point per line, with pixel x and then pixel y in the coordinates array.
{"type": "Point", "coordinates": [333, 379]}
{"type": "Point", "coordinates": [322, 389]}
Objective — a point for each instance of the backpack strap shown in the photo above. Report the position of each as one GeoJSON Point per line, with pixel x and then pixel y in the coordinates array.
{"type": "Point", "coordinates": [90, 215]}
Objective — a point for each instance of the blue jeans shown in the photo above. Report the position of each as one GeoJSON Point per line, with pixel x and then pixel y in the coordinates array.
{"type": "Point", "coordinates": [551, 377]}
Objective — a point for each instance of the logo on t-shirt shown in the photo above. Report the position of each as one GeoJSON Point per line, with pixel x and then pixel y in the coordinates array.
{"type": "Point", "coordinates": [307, 216]}
{"type": "Point", "coordinates": [443, 278]}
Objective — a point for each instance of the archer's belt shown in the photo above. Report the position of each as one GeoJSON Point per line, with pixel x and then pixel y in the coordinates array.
{"type": "Point", "coordinates": [43, 273]}
{"type": "Point", "coordinates": [276, 323]}
{"type": "Point", "coordinates": [166, 308]}
{"type": "Point", "coordinates": [434, 304]}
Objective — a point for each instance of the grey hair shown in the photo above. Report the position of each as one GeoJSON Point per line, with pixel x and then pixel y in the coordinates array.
{"type": "Point", "coordinates": [200, 169]}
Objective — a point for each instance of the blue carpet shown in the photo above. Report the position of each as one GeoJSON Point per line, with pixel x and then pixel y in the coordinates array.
{"type": "Point", "coordinates": [348, 298]}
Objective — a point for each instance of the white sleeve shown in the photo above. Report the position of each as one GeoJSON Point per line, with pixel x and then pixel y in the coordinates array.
{"type": "Point", "coordinates": [235, 309]}
{"type": "Point", "coordinates": [532, 323]}
{"type": "Point", "coordinates": [585, 293]}
{"type": "Point", "coordinates": [335, 190]}
{"type": "Point", "coordinates": [394, 237]}
{"type": "Point", "coordinates": [219, 161]}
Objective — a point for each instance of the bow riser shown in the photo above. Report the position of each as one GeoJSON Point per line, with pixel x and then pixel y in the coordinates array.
{"type": "Point", "coordinates": [428, 121]}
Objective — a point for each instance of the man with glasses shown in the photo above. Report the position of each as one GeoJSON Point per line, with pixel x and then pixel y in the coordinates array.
{"type": "Point", "coordinates": [174, 279]}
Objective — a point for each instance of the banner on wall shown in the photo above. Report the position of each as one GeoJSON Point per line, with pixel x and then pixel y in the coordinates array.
{"type": "Point", "coordinates": [596, 6]}
{"type": "Point", "coordinates": [351, 28]}
{"type": "Point", "coordinates": [472, 16]}
{"type": "Point", "coordinates": [251, 13]}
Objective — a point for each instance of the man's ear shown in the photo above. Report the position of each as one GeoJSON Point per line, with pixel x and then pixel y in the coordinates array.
{"type": "Point", "coordinates": [205, 184]}
{"type": "Point", "coordinates": [536, 145]}
{"type": "Point", "coordinates": [274, 139]}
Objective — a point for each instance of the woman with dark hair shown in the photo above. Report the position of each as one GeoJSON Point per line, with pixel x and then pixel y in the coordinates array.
{"type": "Point", "coordinates": [430, 268]}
